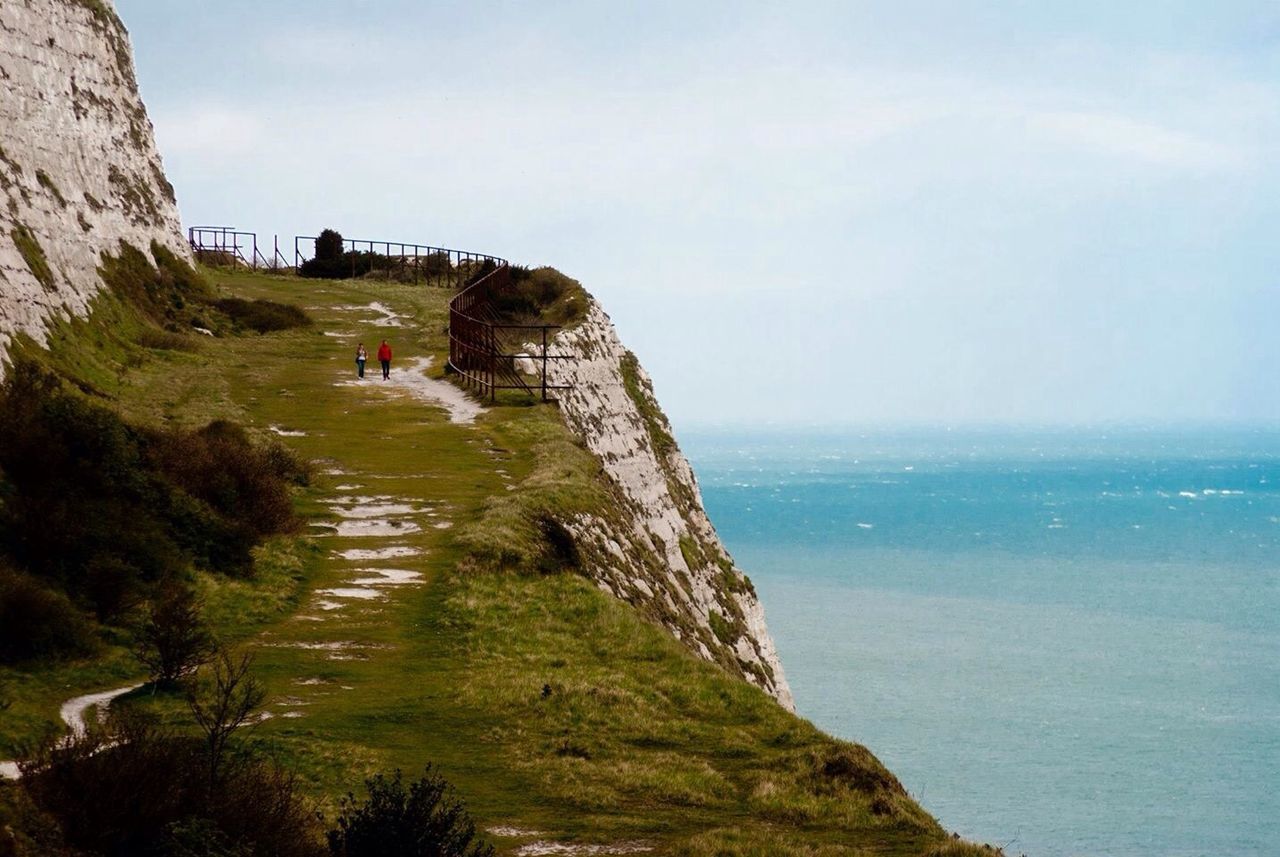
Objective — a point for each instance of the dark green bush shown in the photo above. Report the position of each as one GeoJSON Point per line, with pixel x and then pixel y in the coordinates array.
{"type": "Point", "coordinates": [79, 489]}
{"type": "Point", "coordinates": [351, 264]}
{"type": "Point", "coordinates": [37, 622]}
{"type": "Point", "coordinates": [262, 315]}
{"type": "Point", "coordinates": [140, 789]}
{"type": "Point", "coordinates": [244, 483]}
{"type": "Point", "coordinates": [329, 245]}
{"type": "Point", "coordinates": [426, 818]}
{"type": "Point", "coordinates": [101, 511]}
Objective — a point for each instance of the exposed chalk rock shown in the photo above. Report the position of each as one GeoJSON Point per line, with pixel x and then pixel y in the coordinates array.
{"type": "Point", "coordinates": [657, 549]}
{"type": "Point", "coordinates": [79, 169]}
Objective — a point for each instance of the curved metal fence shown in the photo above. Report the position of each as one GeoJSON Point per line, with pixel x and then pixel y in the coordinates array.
{"type": "Point", "coordinates": [491, 355]}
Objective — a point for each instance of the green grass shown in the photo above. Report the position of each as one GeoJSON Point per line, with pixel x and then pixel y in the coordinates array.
{"type": "Point", "coordinates": [48, 184]}
{"type": "Point", "coordinates": [549, 704]}
{"type": "Point", "coordinates": [33, 254]}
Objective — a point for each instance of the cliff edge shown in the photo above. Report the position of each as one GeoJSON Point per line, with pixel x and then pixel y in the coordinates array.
{"type": "Point", "coordinates": [656, 548]}
{"type": "Point", "coordinates": [79, 168]}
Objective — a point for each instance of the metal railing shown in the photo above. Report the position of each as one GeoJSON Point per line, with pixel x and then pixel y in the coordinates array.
{"type": "Point", "coordinates": [226, 245]}
{"type": "Point", "coordinates": [401, 260]}
{"type": "Point", "coordinates": [491, 355]}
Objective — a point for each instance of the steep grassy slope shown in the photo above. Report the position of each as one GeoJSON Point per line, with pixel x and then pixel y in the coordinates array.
{"type": "Point", "coordinates": [557, 711]}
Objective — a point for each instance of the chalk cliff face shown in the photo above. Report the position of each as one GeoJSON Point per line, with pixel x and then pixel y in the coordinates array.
{"type": "Point", "coordinates": [79, 170]}
{"type": "Point", "coordinates": [656, 549]}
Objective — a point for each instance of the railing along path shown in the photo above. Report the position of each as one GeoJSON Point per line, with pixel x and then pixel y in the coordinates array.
{"type": "Point", "coordinates": [487, 352]}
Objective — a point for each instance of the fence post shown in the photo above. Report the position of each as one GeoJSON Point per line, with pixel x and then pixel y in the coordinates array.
{"type": "Point", "coordinates": [544, 364]}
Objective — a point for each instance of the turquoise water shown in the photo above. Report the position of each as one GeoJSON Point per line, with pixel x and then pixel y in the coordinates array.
{"type": "Point", "coordinates": [1066, 643]}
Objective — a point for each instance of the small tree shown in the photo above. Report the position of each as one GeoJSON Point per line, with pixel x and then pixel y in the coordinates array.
{"type": "Point", "coordinates": [329, 246]}
{"type": "Point", "coordinates": [225, 702]}
{"type": "Point", "coordinates": [426, 819]}
{"type": "Point", "coordinates": [174, 641]}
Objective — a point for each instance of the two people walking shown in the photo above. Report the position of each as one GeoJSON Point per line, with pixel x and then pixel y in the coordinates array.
{"type": "Point", "coordinates": [384, 357]}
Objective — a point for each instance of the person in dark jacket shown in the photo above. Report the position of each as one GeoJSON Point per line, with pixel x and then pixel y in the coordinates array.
{"type": "Point", "coordinates": [384, 357]}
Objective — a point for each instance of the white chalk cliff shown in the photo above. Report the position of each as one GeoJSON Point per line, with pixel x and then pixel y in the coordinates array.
{"type": "Point", "coordinates": [657, 549]}
{"type": "Point", "coordinates": [79, 169]}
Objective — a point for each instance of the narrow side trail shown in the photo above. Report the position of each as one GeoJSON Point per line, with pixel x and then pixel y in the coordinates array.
{"type": "Point", "coordinates": [73, 714]}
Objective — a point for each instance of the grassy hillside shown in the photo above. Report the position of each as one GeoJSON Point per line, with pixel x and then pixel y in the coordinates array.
{"type": "Point", "coordinates": [557, 712]}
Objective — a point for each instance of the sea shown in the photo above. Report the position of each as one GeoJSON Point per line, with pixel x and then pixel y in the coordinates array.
{"type": "Point", "coordinates": [1063, 642]}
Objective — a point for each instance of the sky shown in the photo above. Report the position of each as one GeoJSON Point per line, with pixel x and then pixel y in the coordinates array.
{"type": "Point", "coordinates": [815, 213]}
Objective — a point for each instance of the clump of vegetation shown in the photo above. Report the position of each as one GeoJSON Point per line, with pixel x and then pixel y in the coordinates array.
{"type": "Point", "coordinates": [135, 194]}
{"type": "Point", "coordinates": [174, 641]}
{"type": "Point", "coordinates": [48, 184]}
{"type": "Point", "coordinates": [138, 787]}
{"type": "Point", "coordinates": [541, 296]}
{"type": "Point", "coordinates": [37, 621]}
{"type": "Point", "coordinates": [33, 254]}
{"type": "Point", "coordinates": [169, 293]}
{"type": "Point", "coordinates": [102, 513]}
{"type": "Point", "coordinates": [262, 315]}
{"type": "Point", "coordinates": [425, 818]}
{"type": "Point", "coordinates": [333, 262]}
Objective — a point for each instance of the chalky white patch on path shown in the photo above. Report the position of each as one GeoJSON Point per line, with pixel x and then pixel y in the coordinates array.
{"type": "Point", "coordinates": [375, 510]}
{"type": "Point", "coordinates": [386, 317]}
{"type": "Point", "coordinates": [284, 432]}
{"type": "Point", "coordinates": [72, 714]}
{"type": "Point", "coordinates": [539, 849]}
{"type": "Point", "coordinates": [376, 528]}
{"type": "Point", "coordinates": [387, 577]}
{"type": "Point", "coordinates": [506, 830]}
{"type": "Point", "coordinates": [363, 593]}
{"type": "Point", "coordinates": [412, 379]}
{"type": "Point", "coordinates": [393, 552]}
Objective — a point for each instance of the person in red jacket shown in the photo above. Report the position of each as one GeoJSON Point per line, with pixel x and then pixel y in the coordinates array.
{"type": "Point", "coordinates": [384, 357]}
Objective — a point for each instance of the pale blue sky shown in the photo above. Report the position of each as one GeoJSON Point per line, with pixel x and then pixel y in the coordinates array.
{"type": "Point", "coordinates": [926, 212]}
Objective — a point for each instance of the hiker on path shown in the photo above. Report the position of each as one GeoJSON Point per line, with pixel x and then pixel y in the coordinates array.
{"type": "Point", "coordinates": [384, 357]}
{"type": "Point", "coordinates": [362, 356]}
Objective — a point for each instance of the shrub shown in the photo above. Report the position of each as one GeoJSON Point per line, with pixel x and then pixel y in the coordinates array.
{"type": "Point", "coordinates": [139, 788]}
{"type": "Point", "coordinates": [329, 245]}
{"type": "Point", "coordinates": [38, 622]}
{"type": "Point", "coordinates": [435, 264]}
{"type": "Point", "coordinates": [241, 482]}
{"type": "Point", "coordinates": [80, 489]}
{"type": "Point", "coordinates": [174, 641]}
{"type": "Point", "coordinates": [95, 508]}
{"type": "Point", "coordinates": [225, 704]}
{"type": "Point", "coordinates": [332, 263]}
{"type": "Point", "coordinates": [262, 315]}
{"type": "Point", "coordinates": [426, 819]}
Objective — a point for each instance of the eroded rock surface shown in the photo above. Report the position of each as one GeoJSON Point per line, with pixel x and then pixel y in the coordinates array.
{"type": "Point", "coordinates": [657, 549]}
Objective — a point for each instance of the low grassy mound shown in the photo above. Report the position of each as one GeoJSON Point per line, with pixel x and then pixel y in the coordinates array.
{"type": "Point", "coordinates": [262, 315]}
{"type": "Point", "coordinates": [541, 296]}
